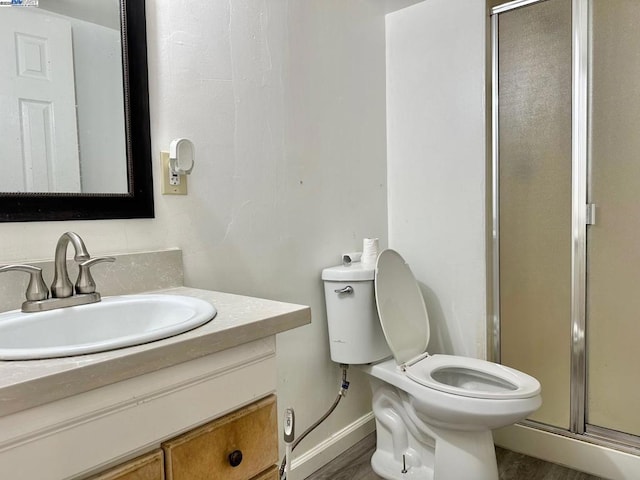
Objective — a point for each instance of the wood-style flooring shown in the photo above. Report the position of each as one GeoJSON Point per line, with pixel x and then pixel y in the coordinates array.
{"type": "Point", "coordinates": [354, 465]}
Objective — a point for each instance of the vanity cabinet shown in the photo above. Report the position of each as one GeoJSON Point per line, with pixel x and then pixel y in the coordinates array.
{"type": "Point", "coordinates": [242, 445]}
{"type": "Point", "coordinates": [147, 467]}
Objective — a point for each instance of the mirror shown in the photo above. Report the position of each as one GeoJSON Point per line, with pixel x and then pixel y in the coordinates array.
{"type": "Point", "coordinates": [75, 125]}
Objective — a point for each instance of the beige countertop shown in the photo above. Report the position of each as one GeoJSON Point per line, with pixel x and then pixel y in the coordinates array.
{"type": "Point", "coordinates": [240, 319]}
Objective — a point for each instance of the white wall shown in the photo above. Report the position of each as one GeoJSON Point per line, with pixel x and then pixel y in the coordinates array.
{"type": "Point", "coordinates": [436, 163]}
{"type": "Point", "coordinates": [285, 102]}
{"type": "Point", "coordinates": [336, 172]}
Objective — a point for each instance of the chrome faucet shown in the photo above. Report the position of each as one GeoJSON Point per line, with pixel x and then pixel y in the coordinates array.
{"type": "Point", "coordinates": [63, 293]}
{"type": "Point", "coordinates": [61, 287]}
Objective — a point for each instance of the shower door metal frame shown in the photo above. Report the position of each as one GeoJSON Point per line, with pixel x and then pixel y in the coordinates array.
{"type": "Point", "coordinates": [579, 165]}
{"type": "Point", "coordinates": [580, 51]}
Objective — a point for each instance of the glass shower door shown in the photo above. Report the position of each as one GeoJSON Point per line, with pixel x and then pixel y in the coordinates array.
{"type": "Point", "coordinates": [566, 126]}
{"type": "Point", "coordinates": [534, 200]}
{"type": "Point", "coordinates": [613, 243]}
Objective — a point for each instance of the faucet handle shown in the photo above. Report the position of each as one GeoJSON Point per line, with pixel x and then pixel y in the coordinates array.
{"type": "Point", "coordinates": [85, 282]}
{"type": "Point", "coordinates": [37, 289]}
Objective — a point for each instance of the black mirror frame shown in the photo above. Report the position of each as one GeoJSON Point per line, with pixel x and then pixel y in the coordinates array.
{"type": "Point", "coordinates": [138, 203]}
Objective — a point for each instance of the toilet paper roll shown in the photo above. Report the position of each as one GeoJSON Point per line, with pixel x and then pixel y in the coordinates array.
{"type": "Point", "coordinates": [351, 257]}
{"type": "Point", "coordinates": [369, 251]}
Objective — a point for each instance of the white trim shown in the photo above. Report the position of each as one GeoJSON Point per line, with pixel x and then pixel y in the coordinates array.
{"type": "Point", "coordinates": [579, 455]}
{"type": "Point", "coordinates": [325, 451]}
{"type": "Point", "coordinates": [129, 403]}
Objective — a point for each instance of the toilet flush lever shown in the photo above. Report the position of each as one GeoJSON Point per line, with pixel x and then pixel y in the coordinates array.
{"type": "Point", "coordinates": [348, 290]}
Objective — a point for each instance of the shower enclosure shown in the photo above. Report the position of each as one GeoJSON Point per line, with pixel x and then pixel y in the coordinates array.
{"type": "Point", "coordinates": [566, 210]}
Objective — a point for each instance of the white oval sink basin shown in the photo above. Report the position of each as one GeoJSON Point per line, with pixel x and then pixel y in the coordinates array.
{"type": "Point", "coordinates": [115, 322]}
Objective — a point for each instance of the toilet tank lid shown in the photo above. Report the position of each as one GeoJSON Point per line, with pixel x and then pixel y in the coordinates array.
{"type": "Point", "coordinates": [355, 272]}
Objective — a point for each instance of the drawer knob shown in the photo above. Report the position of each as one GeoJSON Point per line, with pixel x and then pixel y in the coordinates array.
{"type": "Point", "coordinates": [235, 458]}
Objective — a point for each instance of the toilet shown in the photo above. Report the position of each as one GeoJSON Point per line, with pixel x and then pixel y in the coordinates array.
{"type": "Point", "coordinates": [434, 413]}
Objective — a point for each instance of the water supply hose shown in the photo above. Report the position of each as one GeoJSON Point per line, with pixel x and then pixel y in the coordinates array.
{"type": "Point", "coordinates": [344, 385]}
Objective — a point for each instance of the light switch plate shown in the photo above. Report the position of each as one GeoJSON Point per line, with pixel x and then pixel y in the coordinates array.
{"type": "Point", "coordinates": [167, 187]}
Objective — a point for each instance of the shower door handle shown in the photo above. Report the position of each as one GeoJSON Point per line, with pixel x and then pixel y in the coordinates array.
{"type": "Point", "coordinates": [590, 217]}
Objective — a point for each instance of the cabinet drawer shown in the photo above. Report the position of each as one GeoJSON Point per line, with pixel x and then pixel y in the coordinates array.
{"type": "Point", "coordinates": [147, 467]}
{"type": "Point", "coordinates": [203, 453]}
{"type": "Point", "coordinates": [271, 474]}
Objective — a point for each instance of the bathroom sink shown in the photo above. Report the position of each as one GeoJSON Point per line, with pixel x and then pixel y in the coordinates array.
{"type": "Point", "coordinates": [115, 322]}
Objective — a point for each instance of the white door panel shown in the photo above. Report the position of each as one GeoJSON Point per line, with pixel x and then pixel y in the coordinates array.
{"type": "Point", "coordinates": [37, 101]}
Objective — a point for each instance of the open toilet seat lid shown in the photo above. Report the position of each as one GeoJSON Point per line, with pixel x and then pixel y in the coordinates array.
{"type": "Point", "coordinates": [403, 314]}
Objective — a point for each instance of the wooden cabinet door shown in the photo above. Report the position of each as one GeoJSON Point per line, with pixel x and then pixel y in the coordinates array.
{"type": "Point", "coordinates": [147, 467]}
{"type": "Point", "coordinates": [204, 453]}
{"type": "Point", "coordinates": [271, 474]}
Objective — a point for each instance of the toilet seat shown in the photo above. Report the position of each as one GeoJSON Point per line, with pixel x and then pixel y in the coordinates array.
{"type": "Point", "coordinates": [472, 377]}
{"type": "Point", "coordinates": [405, 324]}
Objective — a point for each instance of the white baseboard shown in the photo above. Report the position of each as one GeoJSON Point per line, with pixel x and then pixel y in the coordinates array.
{"type": "Point", "coordinates": [318, 456]}
{"type": "Point", "coordinates": [586, 457]}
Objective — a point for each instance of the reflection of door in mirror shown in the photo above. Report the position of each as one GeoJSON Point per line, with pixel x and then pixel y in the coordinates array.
{"type": "Point", "coordinates": [62, 100]}
{"type": "Point", "coordinates": [38, 121]}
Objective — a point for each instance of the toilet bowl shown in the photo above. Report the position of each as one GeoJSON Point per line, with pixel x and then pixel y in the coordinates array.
{"type": "Point", "coordinates": [434, 413]}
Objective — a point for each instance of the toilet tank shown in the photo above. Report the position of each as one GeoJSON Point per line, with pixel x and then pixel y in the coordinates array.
{"type": "Point", "coordinates": [355, 334]}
